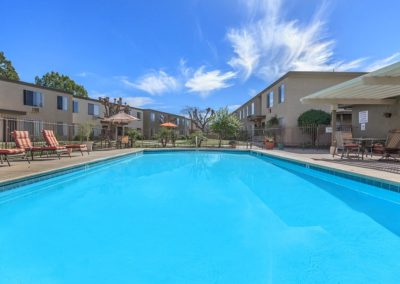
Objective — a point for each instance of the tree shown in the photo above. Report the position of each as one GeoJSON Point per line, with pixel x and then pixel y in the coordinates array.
{"type": "Point", "coordinates": [62, 82]}
{"type": "Point", "coordinates": [7, 70]}
{"type": "Point", "coordinates": [200, 117]}
{"type": "Point", "coordinates": [224, 124]}
{"type": "Point", "coordinates": [112, 108]}
{"type": "Point", "coordinates": [309, 121]}
{"type": "Point", "coordinates": [314, 117]}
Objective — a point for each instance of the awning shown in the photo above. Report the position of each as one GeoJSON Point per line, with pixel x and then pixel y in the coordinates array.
{"type": "Point", "coordinates": [378, 87]}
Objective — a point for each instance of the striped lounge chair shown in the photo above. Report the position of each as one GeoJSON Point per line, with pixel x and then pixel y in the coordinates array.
{"type": "Point", "coordinates": [52, 141]}
{"type": "Point", "coordinates": [23, 141]}
{"type": "Point", "coordinates": [5, 153]}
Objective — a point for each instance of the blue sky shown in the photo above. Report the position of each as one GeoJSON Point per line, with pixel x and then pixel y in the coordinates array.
{"type": "Point", "coordinates": [171, 54]}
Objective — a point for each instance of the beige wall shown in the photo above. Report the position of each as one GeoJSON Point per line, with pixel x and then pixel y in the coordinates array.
{"type": "Point", "coordinates": [151, 128]}
{"type": "Point", "coordinates": [137, 124]}
{"type": "Point", "coordinates": [11, 99]}
{"type": "Point", "coordinates": [296, 86]}
{"type": "Point", "coordinates": [378, 125]}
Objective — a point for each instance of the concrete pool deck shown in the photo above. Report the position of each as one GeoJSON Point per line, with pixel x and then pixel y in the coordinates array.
{"type": "Point", "coordinates": [20, 168]}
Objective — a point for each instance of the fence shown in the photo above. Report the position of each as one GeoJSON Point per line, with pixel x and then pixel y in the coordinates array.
{"type": "Point", "coordinates": [311, 136]}
{"type": "Point", "coordinates": [63, 131]}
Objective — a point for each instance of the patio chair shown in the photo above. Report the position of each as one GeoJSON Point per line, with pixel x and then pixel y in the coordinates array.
{"type": "Point", "coordinates": [51, 140]}
{"type": "Point", "coordinates": [391, 146]}
{"type": "Point", "coordinates": [5, 153]}
{"type": "Point", "coordinates": [23, 141]}
{"type": "Point", "coordinates": [123, 140]}
{"type": "Point", "coordinates": [344, 143]}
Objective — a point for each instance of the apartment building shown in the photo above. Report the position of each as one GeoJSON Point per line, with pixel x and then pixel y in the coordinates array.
{"type": "Point", "coordinates": [373, 98]}
{"type": "Point", "coordinates": [153, 118]}
{"type": "Point", "coordinates": [281, 99]}
{"type": "Point", "coordinates": [30, 106]}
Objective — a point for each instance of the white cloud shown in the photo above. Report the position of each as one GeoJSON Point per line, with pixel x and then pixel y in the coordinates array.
{"type": "Point", "coordinates": [205, 82]}
{"type": "Point", "coordinates": [270, 45]}
{"type": "Point", "coordinates": [246, 50]}
{"type": "Point", "coordinates": [232, 108]}
{"type": "Point", "coordinates": [138, 101]}
{"type": "Point", "coordinates": [154, 83]}
{"type": "Point", "coordinates": [383, 62]}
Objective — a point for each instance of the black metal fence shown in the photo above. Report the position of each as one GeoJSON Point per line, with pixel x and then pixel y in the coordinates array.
{"type": "Point", "coordinates": [311, 136]}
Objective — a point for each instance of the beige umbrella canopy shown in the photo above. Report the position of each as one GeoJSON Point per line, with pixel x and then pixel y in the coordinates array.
{"type": "Point", "coordinates": [120, 118]}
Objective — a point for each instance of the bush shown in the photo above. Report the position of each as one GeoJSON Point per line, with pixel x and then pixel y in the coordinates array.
{"type": "Point", "coordinates": [200, 138]}
{"type": "Point", "coordinates": [314, 117]}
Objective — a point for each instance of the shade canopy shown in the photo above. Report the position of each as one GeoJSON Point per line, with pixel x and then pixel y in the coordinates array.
{"type": "Point", "coordinates": [378, 87]}
{"type": "Point", "coordinates": [169, 125]}
{"type": "Point", "coordinates": [120, 118]}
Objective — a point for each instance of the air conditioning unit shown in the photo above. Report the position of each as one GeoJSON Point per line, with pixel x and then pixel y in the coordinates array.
{"type": "Point", "coordinates": [35, 110]}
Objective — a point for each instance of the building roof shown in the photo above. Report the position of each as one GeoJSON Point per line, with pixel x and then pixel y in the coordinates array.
{"type": "Point", "coordinates": [378, 87]}
{"type": "Point", "coordinates": [35, 86]}
{"type": "Point", "coordinates": [163, 112]}
{"type": "Point", "coordinates": [302, 73]}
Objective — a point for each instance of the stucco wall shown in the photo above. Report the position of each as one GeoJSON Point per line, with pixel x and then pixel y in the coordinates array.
{"type": "Point", "coordinates": [12, 98]}
{"type": "Point", "coordinates": [378, 125]}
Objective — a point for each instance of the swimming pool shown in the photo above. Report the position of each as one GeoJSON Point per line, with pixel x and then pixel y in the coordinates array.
{"type": "Point", "coordinates": [199, 217]}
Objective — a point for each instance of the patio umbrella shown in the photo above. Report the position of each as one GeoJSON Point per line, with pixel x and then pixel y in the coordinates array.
{"type": "Point", "coordinates": [169, 125]}
{"type": "Point", "coordinates": [120, 118]}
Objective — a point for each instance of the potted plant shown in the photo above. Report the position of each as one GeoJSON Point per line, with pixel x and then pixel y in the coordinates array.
{"type": "Point", "coordinates": [269, 143]}
{"type": "Point", "coordinates": [85, 130]}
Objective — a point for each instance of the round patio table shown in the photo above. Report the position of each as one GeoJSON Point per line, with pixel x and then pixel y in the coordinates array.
{"type": "Point", "coordinates": [365, 143]}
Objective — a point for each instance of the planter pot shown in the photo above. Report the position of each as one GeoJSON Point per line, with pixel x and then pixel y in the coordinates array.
{"type": "Point", "coordinates": [332, 150]}
{"type": "Point", "coordinates": [269, 145]}
{"type": "Point", "coordinates": [233, 145]}
{"type": "Point", "coordinates": [89, 146]}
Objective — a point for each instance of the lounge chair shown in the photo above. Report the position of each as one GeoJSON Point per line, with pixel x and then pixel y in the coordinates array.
{"type": "Point", "coordinates": [344, 143]}
{"type": "Point", "coordinates": [391, 146]}
{"type": "Point", "coordinates": [5, 153]}
{"type": "Point", "coordinates": [52, 141]}
{"type": "Point", "coordinates": [23, 141]}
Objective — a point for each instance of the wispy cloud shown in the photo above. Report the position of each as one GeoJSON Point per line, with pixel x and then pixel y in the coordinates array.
{"type": "Point", "coordinates": [246, 50]}
{"type": "Point", "coordinates": [269, 45]}
{"type": "Point", "coordinates": [154, 83]}
{"type": "Point", "coordinates": [203, 82]}
{"type": "Point", "coordinates": [232, 108]}
{"type": "Point", "coordinates": [139, 101]}
{"type": "Point", "coordinates": [380, 63]}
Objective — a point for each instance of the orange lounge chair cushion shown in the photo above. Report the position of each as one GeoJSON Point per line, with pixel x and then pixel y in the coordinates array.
{"type": "Point", "coordinates": [11, 151]}
{"type": "Point", "coordinates": [76, 146]}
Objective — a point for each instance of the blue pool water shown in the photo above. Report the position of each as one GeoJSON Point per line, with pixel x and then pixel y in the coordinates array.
{"type": "Point", "coordinates": [199, 217]}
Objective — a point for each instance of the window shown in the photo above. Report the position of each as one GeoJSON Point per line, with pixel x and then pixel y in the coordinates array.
{"type": "Point", "coordinates": [62, 103]}
{"type": "Point", "coordinates": [93, 109]}
{"type": "Point", "coordinates": [252, 108]}
{"type": "Point", "coordinates": [240, 114]}
{"type": "Point", "coordinates": [138, 115]}
{"type": "Point", "coordinates": [34, 99]}
{"type": "Point", "coordinates": [75, 106]}
{"type": "Point", "coordinates": [247, 111]}
{"type": "Point", "coordinates": [62, 129]}
{"type": "Point", "coordinates": [270, 100]}
{"type": "Point", "coordinates": [152, 116]}
{"type": "Point", "coordinates": [162, 118]}
{"type": "Point", "coordinates": [281, 91]}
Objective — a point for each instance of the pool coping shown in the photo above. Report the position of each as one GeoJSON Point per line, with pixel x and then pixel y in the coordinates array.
{"type": "Point", "coordinates": [12, 183]}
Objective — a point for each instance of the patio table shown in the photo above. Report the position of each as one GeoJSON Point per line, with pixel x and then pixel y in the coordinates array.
{"type": "Point", "coordinates": [363, 141]}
